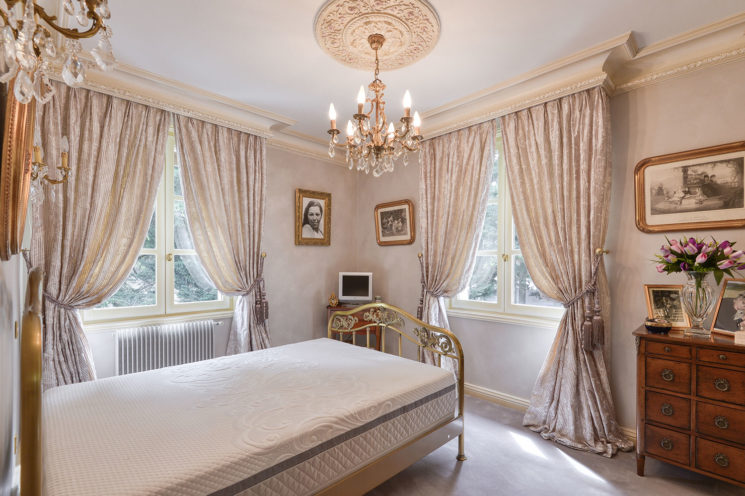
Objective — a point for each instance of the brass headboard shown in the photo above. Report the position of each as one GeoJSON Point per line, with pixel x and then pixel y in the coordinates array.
{"type": "Point", "coordinates": [30, 445]}
{"type": "Point", "coordinates": [440, 342]}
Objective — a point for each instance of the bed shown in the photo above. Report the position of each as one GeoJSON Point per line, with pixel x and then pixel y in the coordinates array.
{"type": "Point", "coordinates": [316, 417]}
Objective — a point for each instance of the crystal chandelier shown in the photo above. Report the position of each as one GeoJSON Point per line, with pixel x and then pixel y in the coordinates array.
{"type": "Point", "coordinates": [27, 48]}
{"type": "Point", "coordinates": [373, 143]}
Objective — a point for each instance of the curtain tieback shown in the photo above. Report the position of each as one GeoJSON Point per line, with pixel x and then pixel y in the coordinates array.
{"type": "Point", "coordinates": [58, 303]}
{"type": "Point", "coordinates": [261, 305]}
{"type": "Point", "coordinates": [593, 334]}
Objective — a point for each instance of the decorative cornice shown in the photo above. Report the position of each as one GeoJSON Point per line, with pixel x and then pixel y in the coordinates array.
{"type": "Point", "coordinates": [307, 146]}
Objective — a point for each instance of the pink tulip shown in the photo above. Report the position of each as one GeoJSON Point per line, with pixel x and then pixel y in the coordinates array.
{"type": "Point", "coordinates": [665, 250]}
{"type": "Point", "coordinates": [691, 249]}
{"type": "Point", "coordinates": [724, 245]}
{"type": "Point", "coordinates": [736, 255]}
{"type": "Point", "coordinates": [702, 258]}
{"type": "Point", "coordinates": [726, 264]}
{"type": "Point", "coordinates": [671, 258]}
{"type": "Point", "coordinates": [727, 251]}
{"type": "Point", "coordinates": [661, 268]}
{"type": "Point", "coordinates": [674, 246]}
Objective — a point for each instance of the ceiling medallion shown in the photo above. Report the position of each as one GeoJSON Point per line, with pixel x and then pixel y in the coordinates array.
{"type": "Point", "coordinates": [411, 29]}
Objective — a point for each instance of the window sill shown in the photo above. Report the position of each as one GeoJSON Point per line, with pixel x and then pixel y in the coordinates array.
{"type": "Point", "coordinates": [124, 323]}
{"type": "Point", "coordinates": [523, 320]}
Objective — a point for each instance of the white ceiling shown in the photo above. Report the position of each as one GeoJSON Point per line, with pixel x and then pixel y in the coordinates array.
{"type": "Point", "coordinates": [263, 53]}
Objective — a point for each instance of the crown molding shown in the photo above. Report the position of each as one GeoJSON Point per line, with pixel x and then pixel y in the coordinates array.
{"type": "Point", "coordinates": [307, 146]}
{"type": "Point", "coordinates": [568, 75]}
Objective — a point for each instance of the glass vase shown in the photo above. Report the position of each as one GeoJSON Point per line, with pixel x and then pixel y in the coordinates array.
{"type": "Point", "coordinates": [698, 300]}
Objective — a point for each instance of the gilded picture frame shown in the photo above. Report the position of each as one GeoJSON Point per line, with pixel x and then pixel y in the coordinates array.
{"type": "Point", "coordinates": [312, 218]}
{"type": "Point", "coordinates": [690, 190]}
{"type": "Point", "coordinates": [665, 301]}
{"type": "Point", "coordinates": [394, 223]}
{"type": "Point", "coordinates": [15, 169]}
{"type": "Point", "coordinates": [729, 314]}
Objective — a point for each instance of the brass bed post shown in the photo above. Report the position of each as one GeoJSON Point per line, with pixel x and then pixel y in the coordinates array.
{"type": "Point", "coordinates": [31, 343]}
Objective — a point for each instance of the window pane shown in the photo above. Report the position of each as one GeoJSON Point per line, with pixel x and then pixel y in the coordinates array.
{"type": "Point", "coordinates": [483, 283]}
{"type": "Point", "coordinates": [494, 184]}
{"type": "Point", "coordinates": [490, 234]}
{"type": "Point", "coordinates": [181, 233]}
{"type": "Point", "coordinates": [177, 179]}
{"type": "Point", "coordinates": [191, 281]}
{"type": "Point", "coordinates": [150, 237]}
{"type": "Point", "coordinates": [515, 241]}
{"type": "Point", "coordinates": [139, 287]}
{"type": "Point", "coordinates": [525, 291]}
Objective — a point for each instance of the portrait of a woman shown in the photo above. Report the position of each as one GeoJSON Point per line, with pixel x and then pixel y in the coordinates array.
{"type": "Point", "coordinates": [312, 217]}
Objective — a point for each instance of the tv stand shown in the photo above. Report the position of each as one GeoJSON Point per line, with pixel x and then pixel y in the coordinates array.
{"type": "Point", "coordinates": [374, 331]}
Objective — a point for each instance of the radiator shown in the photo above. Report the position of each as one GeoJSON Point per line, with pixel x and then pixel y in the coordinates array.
{"type": "Point", "coordinates": [152, 347]}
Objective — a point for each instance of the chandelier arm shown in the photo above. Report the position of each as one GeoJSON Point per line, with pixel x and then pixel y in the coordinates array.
{"type": "Point", "coordinates": [74, 33]}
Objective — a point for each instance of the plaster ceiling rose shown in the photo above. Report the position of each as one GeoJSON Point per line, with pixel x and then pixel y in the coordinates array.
{"type": "Point", "coordinates": [411, 29]}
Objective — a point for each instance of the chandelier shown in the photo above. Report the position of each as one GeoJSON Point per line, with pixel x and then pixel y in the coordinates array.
{"type": "Point", "coordinates": [373, 143]}
{"type": "Point", "coordinates": [28, 50]}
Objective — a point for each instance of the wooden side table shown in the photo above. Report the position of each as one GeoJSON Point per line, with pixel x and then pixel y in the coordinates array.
{"type": "Point", "coordinates": [374, 330]}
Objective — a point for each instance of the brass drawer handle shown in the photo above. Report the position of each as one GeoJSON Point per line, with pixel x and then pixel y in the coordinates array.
{"type": "Point", "coordinates": [668, 375]}
{"type": "Point", "coordinates": [721, 385]}
{"type": "Point", "coordinates": [721, 422]}
{"type": "Point", "coordinates": [668, 349]}
{"type": "Point", "coordinates": [666, 444]}
{"type": "Point", "coordinates": [667, 409]}
{"type": "Point", "coordinates": [721, 460]}
{"type": "Point", "coordinates": [722, 357]}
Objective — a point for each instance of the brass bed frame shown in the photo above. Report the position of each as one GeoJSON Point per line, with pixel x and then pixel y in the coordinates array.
{"type": "Point", "coordinates": [440, 342]}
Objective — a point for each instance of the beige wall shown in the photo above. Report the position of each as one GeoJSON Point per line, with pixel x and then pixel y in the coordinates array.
{"type": "Point", "coordinates": [10, 305]}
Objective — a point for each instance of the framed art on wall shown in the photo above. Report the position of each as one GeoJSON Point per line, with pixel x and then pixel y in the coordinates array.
{"type": "Point", "coordinates": [729, 316]}
{"type": "Point", "coordinates": [394, 223]}
{"type": "Point", "coordinates": [664, 302]}
{"type": "Point", "coordinates": [312, 217]}
{"type": "Point", "coordinates": [695, 189]}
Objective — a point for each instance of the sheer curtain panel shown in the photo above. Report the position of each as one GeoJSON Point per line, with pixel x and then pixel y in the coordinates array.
{"type": "Point", "coordinates": [87, 233]}
{"type": "Point", "coordinates": [224, 180]}
{"type": "Point", "coordinates": [559, 172]}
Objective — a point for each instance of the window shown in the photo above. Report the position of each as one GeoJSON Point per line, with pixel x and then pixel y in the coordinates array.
{"type": "Point", "coordinates": [500, 287]}
{"type": "Point", "coordinates": [167, 277]}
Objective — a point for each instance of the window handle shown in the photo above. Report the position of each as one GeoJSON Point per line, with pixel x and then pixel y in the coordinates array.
{"type": "Point", "coordinates": [505, 256]}
{"type": "Point", "coordinates": [169, 257]}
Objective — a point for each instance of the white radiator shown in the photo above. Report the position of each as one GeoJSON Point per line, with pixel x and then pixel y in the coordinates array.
{"type": "Point", "coordinates": [153, 347]}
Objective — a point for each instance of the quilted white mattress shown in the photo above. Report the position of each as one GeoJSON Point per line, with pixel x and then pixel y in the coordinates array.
{"type": "Point", "coordinates": [284, 421]}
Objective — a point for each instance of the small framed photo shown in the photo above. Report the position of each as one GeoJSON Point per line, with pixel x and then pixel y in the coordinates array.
{"type": "Point", "coordinates": [664, 302]}
{"type": "Point", "coordinates": [729, 316]}
{"type": "Point", "coordinates": [312, 218]}
{"type": "Point", "coordinates": [695, 189]}
{"type": "Point", "coordinates": [394, 223]}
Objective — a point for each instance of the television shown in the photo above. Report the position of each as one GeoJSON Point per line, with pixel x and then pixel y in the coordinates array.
{"type": "Point", "coordinates": [355, 287]}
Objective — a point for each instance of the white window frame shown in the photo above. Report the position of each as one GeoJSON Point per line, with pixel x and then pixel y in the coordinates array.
{"type": "Point", "coordinates": [165, 295]}
{"type": "Point", "coordinates": [504, 310]}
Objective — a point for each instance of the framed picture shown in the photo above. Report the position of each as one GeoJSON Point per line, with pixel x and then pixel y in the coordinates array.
{"type": "Point", "coordinates": [664, 301]}
{"type": "Point", "coordinates": [394, 223]}
{"type": "Point", "coordinates": [696, 189]}
{"type": "Point", "coordinates": [312, 218]}
{"type": "Point", "coordinates": [729, 316]}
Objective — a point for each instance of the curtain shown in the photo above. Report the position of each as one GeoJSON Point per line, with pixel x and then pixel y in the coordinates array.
{"type": "Point", "coordinates": [559, 172]}
{"type": "Point", "coordinates": [224, 180]}
{"type": "Point", "coordinates": [453, 191]}
{"type": "Point", "coordinates": [88, 232]}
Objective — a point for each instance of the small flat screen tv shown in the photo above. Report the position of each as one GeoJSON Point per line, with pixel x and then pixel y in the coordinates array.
{"type": "Point", "coordinates": [355, 287]}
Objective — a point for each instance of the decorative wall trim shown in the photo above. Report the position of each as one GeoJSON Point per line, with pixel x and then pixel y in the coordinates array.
{"type": "Point", "coordinates": [520, 404]}
{"type": "Point", "coordinates": [307, 146]}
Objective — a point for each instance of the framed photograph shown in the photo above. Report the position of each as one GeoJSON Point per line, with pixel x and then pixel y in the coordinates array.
{"type": "Point", "coordinates": [664, 301]}
{"type": "Point", "coordinates": [312, 218]}
{"type": "Point", "coordinates": [696, 189]}
{"type": "Point", "coordinates": [729, 316]}
{"type": "Point", "coordinates": [394, 223]}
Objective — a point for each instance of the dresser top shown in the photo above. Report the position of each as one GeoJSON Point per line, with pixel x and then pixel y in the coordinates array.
{"type": "Point", "coordinates": [678, 337]}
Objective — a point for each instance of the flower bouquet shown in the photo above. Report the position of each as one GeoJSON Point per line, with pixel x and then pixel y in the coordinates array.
{"type": "Point", "coordinates": [696, 259]}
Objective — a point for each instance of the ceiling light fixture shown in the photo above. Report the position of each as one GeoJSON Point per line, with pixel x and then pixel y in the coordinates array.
{"type": "Point", "coordinates": [27, 48]}
{"type": "Point", "coordinates": [373, 143]}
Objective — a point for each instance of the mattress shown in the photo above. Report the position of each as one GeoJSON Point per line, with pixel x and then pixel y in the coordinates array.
{"type": "Point", "coordinates": [283, 421]}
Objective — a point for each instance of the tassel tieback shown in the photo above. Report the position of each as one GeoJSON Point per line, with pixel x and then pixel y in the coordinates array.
{"type": "Point", "coordinates": [593, 333]}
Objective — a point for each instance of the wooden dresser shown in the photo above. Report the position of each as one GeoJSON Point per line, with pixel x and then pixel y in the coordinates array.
{"type": "Point", "coordinates": [690, 403]}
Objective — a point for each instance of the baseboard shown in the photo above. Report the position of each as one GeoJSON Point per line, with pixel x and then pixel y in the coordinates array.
{"type": "Point", "coordinates": [520, 404]}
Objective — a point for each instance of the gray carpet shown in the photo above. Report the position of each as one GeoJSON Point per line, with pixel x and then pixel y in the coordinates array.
{"type": "Point", "coordinates": [506, 458]}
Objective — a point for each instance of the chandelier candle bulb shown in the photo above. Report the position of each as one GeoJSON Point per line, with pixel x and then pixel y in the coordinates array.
{"type": "Point", "coordinates": [350, 129]}
{"type": "Point", "coordinates": [332, 116]}
{"type": "Point", "coordinates": [361, 100]}
{"type": "Point", "coordinates": [417, 123]}
{"type": "Point", "coordinates": [407, 104]}
{"type": "Point", "coordinates": [391, 132]}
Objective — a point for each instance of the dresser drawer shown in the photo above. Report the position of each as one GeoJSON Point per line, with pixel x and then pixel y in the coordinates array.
{"type": "Point", "coordinates": [667, 349]}
{"type": "Point", "coordinates": [667, 444]}
{"type": "Point", "coordinates": [721, 356]}
{"type": "Point", "coordinates": [719, 421]}
{"type": "Point", "coordinates": [720, 459]}
{"type": "Point", "coordinates": [720, 384]}
{"type": "Point", "coordinates": [667, 374]}
{"type": "Point", "coordinates": [668, 409]}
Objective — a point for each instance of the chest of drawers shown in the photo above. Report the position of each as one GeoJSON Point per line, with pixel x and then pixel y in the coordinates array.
{"type": "Point", "coordinates": [690, 399]}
